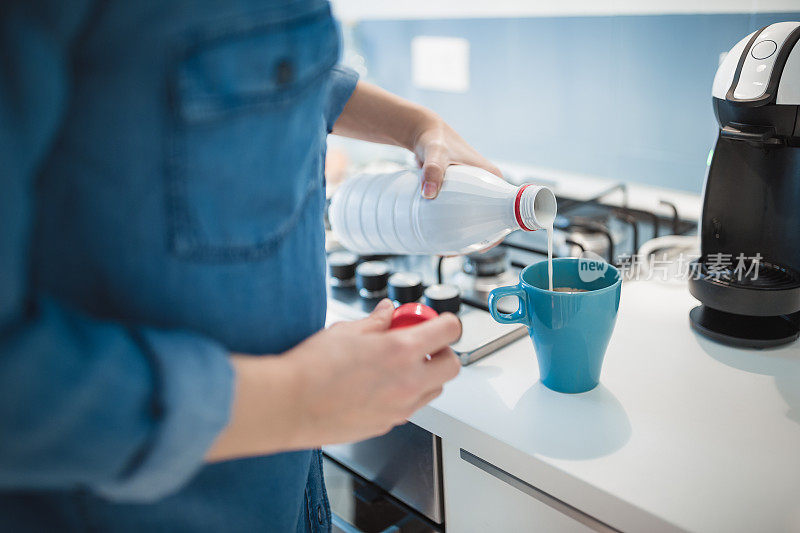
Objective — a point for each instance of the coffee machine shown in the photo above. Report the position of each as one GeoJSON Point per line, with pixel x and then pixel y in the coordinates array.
{"type": "Point", "coordinates": [748, 275]}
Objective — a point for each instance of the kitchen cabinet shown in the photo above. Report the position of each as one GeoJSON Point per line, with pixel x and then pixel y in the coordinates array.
{"type": "Point", "coordinates": [481, 497]}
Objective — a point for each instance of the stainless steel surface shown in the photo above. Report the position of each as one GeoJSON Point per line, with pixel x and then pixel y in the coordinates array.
{"type": "Point", "coordinates": [480, 337]}
{"type": "Point", "coordinates": [551, 501]}
{"type": "Point", "coordinates": [405, 463]}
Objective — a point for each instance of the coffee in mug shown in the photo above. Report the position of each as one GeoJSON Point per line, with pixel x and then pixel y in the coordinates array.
{"type": "Point", "coordinates": [568, 289]}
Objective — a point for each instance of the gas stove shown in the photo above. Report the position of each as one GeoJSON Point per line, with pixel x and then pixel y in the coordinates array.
{"type": "Point", "coordinates": [462, 284]}
{"type": "Point", "coordinates": [357, 284]}
{"type": "Point", "coordinates": [402, 470]}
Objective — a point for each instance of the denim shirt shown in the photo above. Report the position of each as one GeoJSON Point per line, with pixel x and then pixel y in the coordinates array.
{"type": "Point", "coordinates": [161, 207]}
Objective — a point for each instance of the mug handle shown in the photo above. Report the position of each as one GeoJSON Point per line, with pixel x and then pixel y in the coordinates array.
{"type": "Point", "coordinates": [517, 317]}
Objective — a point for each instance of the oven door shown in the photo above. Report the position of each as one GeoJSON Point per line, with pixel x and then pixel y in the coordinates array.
{"type": "Point", "coordinates": [392, 482]}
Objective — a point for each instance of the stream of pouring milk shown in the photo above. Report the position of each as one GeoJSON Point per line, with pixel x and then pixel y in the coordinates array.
{"type": "Point", "coordinates": [550, 256]}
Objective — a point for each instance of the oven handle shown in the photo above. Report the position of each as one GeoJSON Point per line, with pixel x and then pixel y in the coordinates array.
{"type": "Point", "coordinates": [551, 501]}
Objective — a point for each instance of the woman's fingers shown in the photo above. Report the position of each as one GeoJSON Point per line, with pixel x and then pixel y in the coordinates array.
{"type": "Point", "coordinates": [430, 336]}
{"type": "Point", "coordinates": [380, 318]}
{"type": "Point", "coordinates": [426, 399]}
{"type": "Point", "coordinates": [436, 162]}
{"type": "Point", "coordinates": [443, 366]}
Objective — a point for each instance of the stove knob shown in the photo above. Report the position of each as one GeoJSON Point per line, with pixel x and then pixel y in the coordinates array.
{"type": "Point", "coordinates": [405, 287]}
{"type": "Point", "coordinates": [443, 298]}
{"type": "Point", "coordinates": [371, 278]}
{"type": "Point", "coordinates": [342, 268]}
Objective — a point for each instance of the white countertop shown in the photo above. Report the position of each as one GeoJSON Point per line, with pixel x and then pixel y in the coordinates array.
{"type": "Point", "coordinates": [682, 433]}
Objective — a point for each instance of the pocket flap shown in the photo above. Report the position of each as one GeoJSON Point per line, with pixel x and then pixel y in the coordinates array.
{"type": "Point", "coordinates": [255, 63]}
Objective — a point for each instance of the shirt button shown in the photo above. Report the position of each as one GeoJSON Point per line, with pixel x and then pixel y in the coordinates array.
{"type": "Point", "coordinates": [284, 72]}
{"type": "Point", "coordinates": [320, 514]}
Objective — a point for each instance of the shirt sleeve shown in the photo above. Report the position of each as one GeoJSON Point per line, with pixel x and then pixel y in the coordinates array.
{"type": "Point", "coordinates": [125, 411]}
{"type": "Point", "coordinates": [343, 82]}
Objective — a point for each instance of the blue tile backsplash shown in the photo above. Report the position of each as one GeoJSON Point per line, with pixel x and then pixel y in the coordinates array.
{"type": "Point", "coordinates": [625, 97]}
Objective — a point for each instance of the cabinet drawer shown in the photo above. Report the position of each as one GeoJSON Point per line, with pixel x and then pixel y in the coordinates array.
{"type": "Point", "coordinates": [481, 497]}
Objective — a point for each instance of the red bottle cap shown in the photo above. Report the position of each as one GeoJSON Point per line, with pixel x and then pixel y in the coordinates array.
{"type": "Point", "coordinates": [517, 214]}
{"type": "Point", "coordinates": [411, 314]}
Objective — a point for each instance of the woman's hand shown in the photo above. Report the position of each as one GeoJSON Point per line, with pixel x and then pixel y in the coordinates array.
{"type": "Point", "coordinates": [360, 379]}
{"type": "Point", "coordinates": [349, 382]}
{"type": "Point", "coordinates": [438, 146]}
{"type": "Point", "coordinates": [372, 114]}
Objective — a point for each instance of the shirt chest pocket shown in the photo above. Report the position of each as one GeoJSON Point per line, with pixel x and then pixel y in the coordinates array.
{"type": "Point", "coordinates": [247, 134]}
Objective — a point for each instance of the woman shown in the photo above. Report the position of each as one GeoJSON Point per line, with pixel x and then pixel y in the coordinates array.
{"type": "Point", "coordinates": [162, 225]}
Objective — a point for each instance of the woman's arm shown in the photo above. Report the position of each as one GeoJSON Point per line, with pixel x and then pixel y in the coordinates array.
{"type": "Point", "coordinates": [351, 381]}
{"type": "Point", "coordinates": [372, 114]}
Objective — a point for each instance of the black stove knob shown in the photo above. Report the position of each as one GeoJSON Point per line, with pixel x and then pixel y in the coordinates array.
{"type": "Point", "coordinates": [342, 268]}
{"type": "Point", "coordinates": [443, 298]}
{"type": "Point", "coordinates": [405, 287]}
{"type": "Point", "coordinates": [371, 278]}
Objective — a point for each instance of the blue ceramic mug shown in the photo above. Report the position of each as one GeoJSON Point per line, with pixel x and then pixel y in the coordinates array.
{"type": "Point", "coordinates": [570, 330]}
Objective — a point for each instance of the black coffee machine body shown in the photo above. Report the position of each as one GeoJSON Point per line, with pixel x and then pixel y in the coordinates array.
{"type": "Point", "coordinates": [748, 275]}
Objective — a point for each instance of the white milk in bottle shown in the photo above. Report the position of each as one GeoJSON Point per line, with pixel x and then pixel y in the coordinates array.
{"type": "Point", "coordinates": [386, 213]}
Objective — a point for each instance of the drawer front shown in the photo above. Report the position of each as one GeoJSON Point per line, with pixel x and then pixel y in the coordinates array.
{"type": "Point", "coordinates": [481, 497]}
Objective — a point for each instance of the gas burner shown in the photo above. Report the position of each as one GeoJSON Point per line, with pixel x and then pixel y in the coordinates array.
{"type": "Point", "coordinates": [482, 272]}
{"type": "Point", "coordinates": [486, 264]}
{"type": "Point", "coordinates": [587, 241]}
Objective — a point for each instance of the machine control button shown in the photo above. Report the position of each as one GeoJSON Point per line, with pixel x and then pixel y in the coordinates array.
{"type": "Point", "coordinates": [763, 49]}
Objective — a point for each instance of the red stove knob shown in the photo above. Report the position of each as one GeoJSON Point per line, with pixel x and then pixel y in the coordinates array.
{"type": "Point", "coordinates": [411, 314]}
